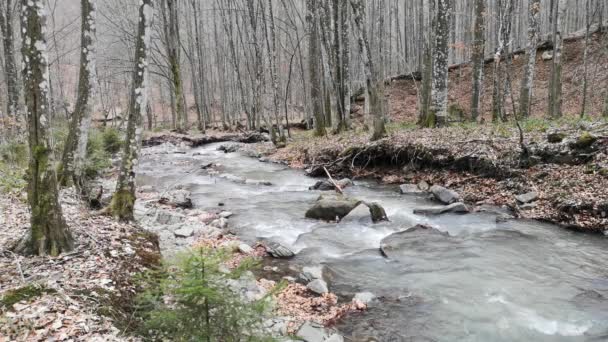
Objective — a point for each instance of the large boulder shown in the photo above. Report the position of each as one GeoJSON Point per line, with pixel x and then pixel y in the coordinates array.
{"type": "Point", "coordinates": [444, 195]}
{"type": "Point", "coordinates": [458, 207]}
{"type": "Point", "coordinates": [331, 208]}
{"type": "Point", "coordinates": [359, 215]}
{"type": "Point", "coordinates": [377, 212]}
{"type": "Point", "coordinates": [177, 198]}
{"type": "Point", "coordinates": [411, 240]}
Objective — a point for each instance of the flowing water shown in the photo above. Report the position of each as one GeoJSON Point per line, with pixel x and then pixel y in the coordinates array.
{"type": "Point", "coordinates": [486, 281]}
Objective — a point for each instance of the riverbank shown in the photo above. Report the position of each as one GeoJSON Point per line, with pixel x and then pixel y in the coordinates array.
{"type": "Point", "coordinates": [565, 170]}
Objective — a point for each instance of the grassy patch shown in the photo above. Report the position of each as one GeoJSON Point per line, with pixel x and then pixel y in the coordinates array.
{"type": "Point", "coordinates": [13, 163]}
{"type": "Point", "coordinates": [25, 293]}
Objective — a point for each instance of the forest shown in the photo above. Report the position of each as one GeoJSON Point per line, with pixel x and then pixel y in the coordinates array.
{"type": "Point", "coordinates": [303, 170]}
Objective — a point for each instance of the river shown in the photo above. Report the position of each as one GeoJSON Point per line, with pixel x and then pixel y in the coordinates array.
{"type": "Point", "coordinates": [487, 281]}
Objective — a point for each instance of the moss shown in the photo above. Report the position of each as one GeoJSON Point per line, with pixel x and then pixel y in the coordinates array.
{"type": "Point", "coordinates": [25, 293]}
{"type": "Point", "coordinates": [122, 205]}
{"type": "Point", "coordinates": [584, 141]}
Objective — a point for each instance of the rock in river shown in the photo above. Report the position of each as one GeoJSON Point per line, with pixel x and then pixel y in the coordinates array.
{"type": "Point", "coordinates": [332, 208]}
{"type": "Point", "coordinates": [327, 185]}
{"type": "Point", "coordinates": [457, 207]}
{"type": "Point", "coordinates": [410, 189]}
{"type": "Point", "coordinates": [313, 332]}
{"type": "Point", "coordinates": [178, 198]}
{"type": "Point", "coordinates": [318, 286]}
{"type": "Point", "coordinates": [444, 195]}
{"type": "Point", "coordinates": [414, 239]}
{"type": "Point", "coordinates": [276, 250]}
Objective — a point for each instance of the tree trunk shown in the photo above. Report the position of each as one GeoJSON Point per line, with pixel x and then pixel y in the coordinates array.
{"type": "Point", "coordinates": [478, 56]}
{"type": "Point", "coordinates": [49, 232]}
{"type": "Point", "coordinates": [588, 21]}
{"type": "Point", "coordinates": [374, 83]}
{"type": "Point", "coordinates": [527, 83]}
{"type": "Point", "coordinates": [173, 57]}
{"type": "Point", "coordinates": [314, 68]}
{"type": "Point", "coordinates": [123, 200]}
{"type": "Point", "coordinates": [439, 90]}
{"type": "Point", "coordinates": [555, 81]}
{"type": "Point", "coordinates": [75, 149]}
{"type": "Point", "coordinates": [13, 87]}
{"type": "Point", "coordinates": [345, 65]}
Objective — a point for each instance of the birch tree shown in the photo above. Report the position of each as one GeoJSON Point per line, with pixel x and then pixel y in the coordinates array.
{"type": "Point", "coordinates": [123, 200]}
{"type": "Point", "coordinates": [13, 88]}
{"type": "Point", "coordinates": [439, 89]}
{"type": "Point", "coordinates": [528, 79]}
{"type": "Point", "coordinates": [555, 82]}
{"type": "Point", "coordinates": [478, 56]}
{"type": "Point", "coordinates": [49, 234]}
{"type": "Point", "coordinates": [76, 144]}
{"type": "Point", "coordinates": [314, 56]}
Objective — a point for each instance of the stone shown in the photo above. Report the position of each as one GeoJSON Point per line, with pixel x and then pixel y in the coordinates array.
{"type": "Point", "coordinates": [364, 297]}
{"type": "Point", "coordinates": [225, 214]}
{"type": "Point", "coordinates": [424, 186]}
{"type": "Point", "coordinates": [258, 182]}
{"type": "Point", "coordinates": [178, 198]}
{"type": "Point", "coordinates": [276, 250]}
{"type": "Point", "coordinates": [359, 215]}
{"type": "Point", "coordinates": [327, 185]}
{"type": "Point", "coordinates": [169, 217]}
{"type": "Point", "coordinates": [220, 223]}
{"type": "Point", "coordinates": [457, 207]}
{"type": "Point", "coordinates": [547, 55]}
{"type": "Point", "coordinates": [410, 189]}
{"type": "Point", "coordinates": [331, 209]}
{"type": "Point", "coordinates": [527, 197]}
{"type": "Point", "coordinates": [245, 248]}
{"type": "Point", "coordinates": [444, 195]}
{"type": "Point", "coordinates": [229, 148]}
{"type": "Point", "coordinates": [412, 240]}
{"type": "Point", "coordinates": [584, 141]}
{"type": "Point", "coordinates": [318, 286]}
{"type": "Point", "coordinates": [312, 332]}
{"type": "Point", "coordinates": [310, 273]}
{"type": "Point", "coordinates": [184, 232]}
{"type": "Point", "coordinates": [556, 137]}
{"type": "Point", "coordinates": [377, 212]}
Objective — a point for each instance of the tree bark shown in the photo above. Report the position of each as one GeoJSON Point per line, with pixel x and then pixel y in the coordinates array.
{"type": "Point", "coordinates": [527, 83]}
{"type": "Point", "coordinates": [439, 90]}
{"type": "Point", "coordinates": [75, 149]}
{"type": "Point", "coordinates": [49, 234]}
{"type": "Point", "coordinates": [13, 88]}
{"type": "Point", "coordinates": [555, 81]}
{"type": "Point", "coordinates": [123, 200]}
{"type": "Point", "coordinates": [314, 68]}
{"type": "Point", "coordinates": [173, 57]}
{"type": "Point", "coordinates": [478, 56]}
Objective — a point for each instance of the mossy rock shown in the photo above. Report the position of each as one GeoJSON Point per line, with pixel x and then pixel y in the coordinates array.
{"type": "Point", "coordinates": [556, 138]}
{"type": "Point", "coordinates": [25, 293]}
{"type": "Point", "coordinates": [584, 141]}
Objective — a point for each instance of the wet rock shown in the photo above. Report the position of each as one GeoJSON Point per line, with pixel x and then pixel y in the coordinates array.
{"type": "Point", "coordinates": [225, 214]}
{"type": "Point", "coordinates": [220, 223]}
{"type": "Point", "coordinates": [245, 248]}
{"type": "Point", "coordinates": [364, 297]}
{"type": "Point", "coordinates": [360, 215]}
{"type": "Point", "coordinates": [276, 250]}
{"type": "Point", "coordinates": [556, 137]}
{"type": "Point", "coordinates": [184, 232]}
{"type": "Point", "coordinates": [444, 195]}
{"type": "Point", "coordinates": [527, 197]}
{"type": "Point", "coordinates": [409, 189]}
{"type": "Point", "coordinates": [415, 238]}
{"type": "Point", "coordinates": [229, 148]}
{"type": "Point", "coordinates": [177, 198]}
{"type": "Point", "coordinates": [318, 286]}
{"type": "Point", "coordinates": [258, 182]}
{"type": "Point", "coordinates": [327, 185]}
{"type": "Point", "coordinates": [457, 207]}
{"type": "Point", "coordinates": [310, 273]}
{"type": "Point", "coordinates": [424, 186]}
{"type": "Point", "coordinates": [277, 325]}
{"type": "Point", "coordinates": [233, 178]}
{"type": "Point", "coordinates": [377, 212]}
{"type": "Point", "coordinates": [330, 209]}
{"type": "Point", "coordinates": [313, 332]}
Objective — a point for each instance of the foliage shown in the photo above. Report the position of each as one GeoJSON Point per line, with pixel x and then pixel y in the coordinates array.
{"type": "Point", "coordinates": [98, 159]}
{"type": "Point", "coordinates": [191, 301]}
{"type": "Point", "coordinates": [13, 162]}
{"type": "Point", "coordinates": [111, 140]}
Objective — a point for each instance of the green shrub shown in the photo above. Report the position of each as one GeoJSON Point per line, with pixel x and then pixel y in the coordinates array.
{"type": "Point", "coordinates": [13, 163]}
{"type": "Point", "coordinates": [111, 140]}
{"type": "Point", "coordinates": [98, 159]}
{"type": "Point", "coordinates": [191, 301]}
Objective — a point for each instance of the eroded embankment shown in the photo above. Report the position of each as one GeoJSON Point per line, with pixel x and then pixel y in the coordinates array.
{"type": "Point", "coordinates": [566, 168]}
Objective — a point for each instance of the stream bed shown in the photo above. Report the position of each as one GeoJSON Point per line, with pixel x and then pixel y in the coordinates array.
{"type": "Point", "coordinates": [482, 281]}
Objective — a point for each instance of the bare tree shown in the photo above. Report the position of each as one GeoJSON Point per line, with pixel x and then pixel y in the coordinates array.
{"type": "Point", "coordinates": [76, 144]}
{"type": "Point", "coordinates": [439, 90]}
{"type": "Point", "coordinates": [123, 200]}
{"type": "Point", "coordinates": [314, 56]}
{"type": "Point", "coordinates": [13, 88]}
{"type": "Point", "coordinates": [170, 16]}
{"type": "Point", "coordinates": [478, 57]}
{"type": "Point", "coordinates": [49, 233]}
{"type": "Point", "coordinates": [555, 82]}
{"type": "Point", "coordinates": [527, 82]}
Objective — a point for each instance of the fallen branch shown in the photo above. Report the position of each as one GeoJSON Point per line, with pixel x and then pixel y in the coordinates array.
{"type": "Point", "coordinates": [338, 189]}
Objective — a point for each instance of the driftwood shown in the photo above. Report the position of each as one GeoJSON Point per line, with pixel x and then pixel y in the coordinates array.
{"type": "Point", "coordinates": [338, 188]}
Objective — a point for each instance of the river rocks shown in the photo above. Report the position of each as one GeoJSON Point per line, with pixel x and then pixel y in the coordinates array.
{"type": "Point", "coordinates": [415, 238]}
{"type": "Point", "coordinates": [360, 215]}
{"type": "Point", "coordinates": [258, 182]}
{"type": "Point", "coordinates": [221, 223]}
{"type": "Point", "coordinates": [276, 250]}
{"type": "Point", "coordinates": [318, 286]}
{"type": "Point", "coordinates": [335, 338]}
{"type": "Point", "coordinates": [327, 185]}
{"type": "Point", "coordinates": [313, 332]}
{"type": "Point", "coordinates": [410, 189]}
{"type": "Point", "coordinates": [184, 232]}
{"type": "Point", "coordinates": [167, 217]}
{"type": "Point", "coordinates": [444, 195]}
{"type": "Point", "coordinates": [330, 209]}
{"type": "Point", "coordinates": [229, 148]}
{"type": "Point", "coordinates": [364, 297]}
{"type": "Point", "coordinates": [457, 207]}
{"type": "Point", "coordinates": [424, 186]}
{"type": "Point", "coordinates": [225, 214]}
{"type": "Point", "coordinates": [247, 287]}
{"type": "Point", "coordinates": [245, 248]}
{"type": "Point", "coordinates": [310, 273]}
{"type": "Point", "coordinates": [527, 197]}
{"type": "Point", "coordinates": [377, 212]}
{"type": "Point", "coordinates": [177, 198]}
